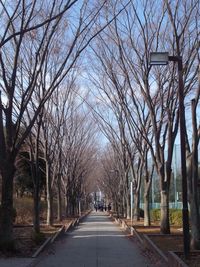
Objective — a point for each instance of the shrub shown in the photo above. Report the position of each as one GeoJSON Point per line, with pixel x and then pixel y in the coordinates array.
{"type": "Point", "coordinates": [175, 216]}
{"type": "Point", "coordinates": [155, 214]}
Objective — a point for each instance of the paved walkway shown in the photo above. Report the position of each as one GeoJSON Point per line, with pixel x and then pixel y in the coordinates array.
{"type": "Point", "coordinates": [15, 262]}
{"type": "Point", "coordinates": [97, 242]}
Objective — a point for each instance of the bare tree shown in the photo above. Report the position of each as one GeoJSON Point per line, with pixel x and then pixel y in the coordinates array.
{"type": "Point", "coordinates": [123, 54]}
{"type": "Point", "coordinates": [187, 27]}
{"type": "Point", "coordinates": [29, 32]}
{"type": "Point", "coordinates": [110, 178]}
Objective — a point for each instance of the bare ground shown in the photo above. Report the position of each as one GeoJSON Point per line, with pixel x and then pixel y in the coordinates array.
{"type": "Point", "coordinates": [25, 245]}
{"type": "Point", "coordinates": [172, 242]}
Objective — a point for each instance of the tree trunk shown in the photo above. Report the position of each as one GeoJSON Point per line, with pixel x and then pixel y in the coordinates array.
{"type": "Point", "coordinates": [59, 201]}
{"type": "Point", "coordinates": [147, 221]}
{"type": "Point", "coordinates": [6, 226]}
{"type": "Point", "coordinates": [136, 209]}
{"type": "Point", "coordinates": [35, 174]}
{"type": "Point", "coordinates": [128, 207]}
{"type": "Point", "coordinates": [36, 219]}
{"type": "Point", "coordinates": [193, 183]}
{"type": "Point", "coordinates": [66, 205]}
{"type": "Point", "coordinates": [164, 213]}
{"type": "Point", "coordinates": [195, 224]}
{"type": "Point", "coordinates": [123, 212]}
{"type": "Point", "coordinates": [69, 205]}
{"type": "Point", "coordinates": [193, 199]}
{"type": "Point", "coordinates": [73, 207]}
{"type": "Point", "coordinates": [49, 196]}
{"type": "Point", "coordinates": [116, 207]}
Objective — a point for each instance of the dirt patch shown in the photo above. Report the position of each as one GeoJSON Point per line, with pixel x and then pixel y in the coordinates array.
{"type": "Point", "coordinates": [168, 242]}
{"type": "Point", "coordinates": [155, 229]}
{"type": "Point", "coordinates": [25, 245]}
{"type": "Point", "coordinates": [172, 242]}
{"type": "Point", "coordinates": [194, 259]}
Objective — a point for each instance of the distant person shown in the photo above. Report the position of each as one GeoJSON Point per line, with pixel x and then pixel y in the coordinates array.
{"type": "Point", "coordinates": [105, 208]}
{"type": "Point", "coordinates": [96, 208]}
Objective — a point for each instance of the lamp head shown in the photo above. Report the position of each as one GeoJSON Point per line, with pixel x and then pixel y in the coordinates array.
{"type": "Point", "coordinates": [159, 58]}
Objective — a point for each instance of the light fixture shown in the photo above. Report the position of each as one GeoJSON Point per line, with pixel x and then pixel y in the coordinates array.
{"type": "Point", "coordinates": [159, 58]}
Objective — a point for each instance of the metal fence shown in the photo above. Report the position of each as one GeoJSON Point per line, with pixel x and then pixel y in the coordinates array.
{"type": "Point", "coordinates": [172, 205]}
{"type": "Point", "coordinates": [175, 196]}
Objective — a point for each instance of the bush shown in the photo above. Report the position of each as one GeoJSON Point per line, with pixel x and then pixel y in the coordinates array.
{"type": "Point", "coordinates": [175, 216]}
{"type": "Point", "coordinates": [155, 215]}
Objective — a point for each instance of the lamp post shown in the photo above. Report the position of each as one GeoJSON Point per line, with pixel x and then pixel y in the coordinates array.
{"type": "Point", "coordinates": [162, 58]}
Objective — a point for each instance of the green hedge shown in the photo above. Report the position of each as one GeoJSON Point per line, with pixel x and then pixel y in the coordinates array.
{"type": "Point", "coordinates": [175, 216]}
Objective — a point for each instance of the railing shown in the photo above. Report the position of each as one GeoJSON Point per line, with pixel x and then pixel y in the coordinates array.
{"type": "Point", "coordinates": [172, 205]}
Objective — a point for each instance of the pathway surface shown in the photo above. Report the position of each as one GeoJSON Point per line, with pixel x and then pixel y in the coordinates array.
{"type": "Point", "coordinates": [15, 262]}
{"type": "Point", "coordinates": [97, 242]}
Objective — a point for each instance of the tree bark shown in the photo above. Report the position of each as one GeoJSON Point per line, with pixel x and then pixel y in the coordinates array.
{"type": "Point", "coordinates": [6, 231]}
{"type": "Point", "coordinates": [49, 196]}
{"type": "Point", "coordinates": [122, 206]}
{"type": "Point", "coordinates": [36, 219]}
{"type": "Point", "coordinates": [66, 205]}
{"type": "Point", "coordinates": [136, 210]}
{"type": "Point", "coordinates": [195, 223]}
{"type": "Point", "coordinates": [116, 206]}
{"type": "Point", "coordinates": [192, 176]}
{"type": "Point", "coordinates": [128, 207]}
{"type": "Point", "coordinates": [59, 201]}
{"type": "Point", "coordinates": [164, 213]}
{"type": "Point", "coordinates": [194, 200]}
{"type": "Point", "coordinates": [147, 221]}
{"type": "Point", "coordinates": [35, 174]}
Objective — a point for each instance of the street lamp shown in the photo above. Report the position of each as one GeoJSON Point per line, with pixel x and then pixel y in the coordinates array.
{"type": "Point", "coordinates": [163, 58]}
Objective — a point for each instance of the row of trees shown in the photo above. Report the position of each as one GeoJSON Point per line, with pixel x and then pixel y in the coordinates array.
{"type": "Point", "coordinates": [40, 44]}
{"type": "Point", "coordinates": [137, 106]}
{"type": "Point", "coordinates": [57, 157]}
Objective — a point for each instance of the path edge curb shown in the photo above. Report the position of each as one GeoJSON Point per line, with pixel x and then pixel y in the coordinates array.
{"type": "Point", "coordinates": [63, 229]}
{"type": "Point", "coordinates": [143, 240]}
